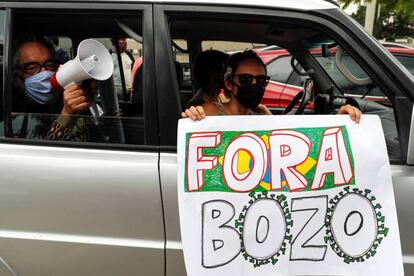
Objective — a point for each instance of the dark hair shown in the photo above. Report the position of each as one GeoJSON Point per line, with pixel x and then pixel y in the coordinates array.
{"type": "Point", "coordinates": [207, 61]}
{"type": "Point", "coordinates": [19, 41]}
{"type": "Point", "coordinates": [237, 58]}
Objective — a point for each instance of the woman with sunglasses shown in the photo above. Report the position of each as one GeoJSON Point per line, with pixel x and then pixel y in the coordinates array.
{"type": "Point", "coordinates": [245, 82]}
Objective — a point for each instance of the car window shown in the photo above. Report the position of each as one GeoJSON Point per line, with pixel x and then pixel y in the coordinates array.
{"type": "Point", "coordinates": [115, 106]}
{"type": "Point", "coordinates": [182, 63]}
{"type": "Point", "coordinates": [346, 86]}
{"type": "Point", "coordinates": [369, 97]}
{"type": "Point", "coordinates": [407, 61]}
{"type": "Point", "coordinates": [279, 69]}
{"type": "Point", "coordinates": [304, 42]}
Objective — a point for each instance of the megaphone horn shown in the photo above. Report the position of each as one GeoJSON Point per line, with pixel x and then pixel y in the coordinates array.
{"type": "Point", "coordinates": [92, 62]}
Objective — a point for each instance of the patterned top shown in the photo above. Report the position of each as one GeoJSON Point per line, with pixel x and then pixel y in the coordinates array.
{"type": "Point", "coordinates": [75, 131]}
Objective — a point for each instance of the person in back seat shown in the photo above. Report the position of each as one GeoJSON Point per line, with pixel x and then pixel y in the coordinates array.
{"type": "Point", "coordinates": [137, 92]}
{"type": "Point", "coordinates": [208, 74]}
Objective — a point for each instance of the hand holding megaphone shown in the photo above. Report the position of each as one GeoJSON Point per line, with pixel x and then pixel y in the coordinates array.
{"type": "Point", "coordinates": [92, 62]}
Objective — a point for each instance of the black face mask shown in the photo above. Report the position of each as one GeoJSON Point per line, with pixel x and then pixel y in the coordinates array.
{"type": "Point", "coordinates": [251, 95]}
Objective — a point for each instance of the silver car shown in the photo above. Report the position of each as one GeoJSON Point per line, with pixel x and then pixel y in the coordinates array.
{"type": "Point", "coordinates": [107, 204]}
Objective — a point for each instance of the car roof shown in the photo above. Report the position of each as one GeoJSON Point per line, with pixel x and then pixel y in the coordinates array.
{"type": "Point", "coordinates": [286, 4]}
{"type": "Point", "coordinates": [297, 4]}
{"type": "Point", "coordinates": [397, 50]}
{"type": "Point", "coordinates": [268, 55]}
{"type": "Point", "coordinates": [393, 44]}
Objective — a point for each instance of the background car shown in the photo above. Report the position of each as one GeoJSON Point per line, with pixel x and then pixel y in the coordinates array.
{"type": "Point", "coordinates": [285, 83]}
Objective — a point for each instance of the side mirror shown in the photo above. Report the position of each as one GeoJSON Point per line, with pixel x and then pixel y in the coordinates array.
{"type": "Point", "coordinates": [410, 151]}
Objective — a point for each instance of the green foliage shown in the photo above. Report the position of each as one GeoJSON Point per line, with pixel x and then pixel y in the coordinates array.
{"type": "Point", "coordinates": [345, 3]}
{"type": "Point", "coordinates": [395, 20]}
{"type": "Point", "coordinates": [359, 15]}
{"type": "Point", "coordinates": [392, 25]}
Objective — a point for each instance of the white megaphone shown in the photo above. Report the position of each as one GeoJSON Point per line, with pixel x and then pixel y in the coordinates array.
{"type": "Point", "coordinates": [92, 62]}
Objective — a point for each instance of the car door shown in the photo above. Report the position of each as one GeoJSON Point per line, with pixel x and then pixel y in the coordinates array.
{"type": "Point", "coordinates": [270, 26]}
{"type": "Point", "coordinates": [80, 207]}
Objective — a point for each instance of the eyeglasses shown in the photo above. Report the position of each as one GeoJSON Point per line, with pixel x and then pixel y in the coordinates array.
{"type": "Point", "coordinates": [247, 79]}
{"type": "Point", "coordinates": [31, 68]}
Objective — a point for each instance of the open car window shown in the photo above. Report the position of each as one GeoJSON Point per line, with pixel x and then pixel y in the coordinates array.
{"type": "Point", "coordinates": [298, 39]}
{"type": "Point", "coordinates": [115, 111]}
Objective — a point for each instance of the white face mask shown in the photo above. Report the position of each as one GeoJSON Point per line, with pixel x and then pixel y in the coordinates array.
{"type": "Point", "coordinates": [39, 89]}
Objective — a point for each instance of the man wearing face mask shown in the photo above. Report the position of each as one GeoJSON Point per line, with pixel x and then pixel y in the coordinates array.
{"type": "Point", "coordinates": [34, 64]}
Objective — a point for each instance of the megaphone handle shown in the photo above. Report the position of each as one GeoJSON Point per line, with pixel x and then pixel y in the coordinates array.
{"type": "Point", "coordinates": [69, 84]}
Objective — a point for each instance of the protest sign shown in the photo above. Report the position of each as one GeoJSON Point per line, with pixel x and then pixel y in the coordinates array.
{"type": "Point", "coordinates": [286, 195]}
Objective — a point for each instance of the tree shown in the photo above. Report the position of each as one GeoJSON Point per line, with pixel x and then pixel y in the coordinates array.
{"type": "Point", "coordinates": [396, 17]}
{"type": "Point", "coordinates": [345, 3]}
{"type": "Point", "coordinates": [394, 23]}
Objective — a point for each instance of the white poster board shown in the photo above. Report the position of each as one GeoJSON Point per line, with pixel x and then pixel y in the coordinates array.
{"type": "Point", "coordinates": [286, 195]}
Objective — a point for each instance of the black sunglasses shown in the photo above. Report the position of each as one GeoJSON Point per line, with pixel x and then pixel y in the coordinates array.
{"type": "Point", "coordinates": [247, 79]}
{"type": "Point", "coordinates": [31, 68]}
